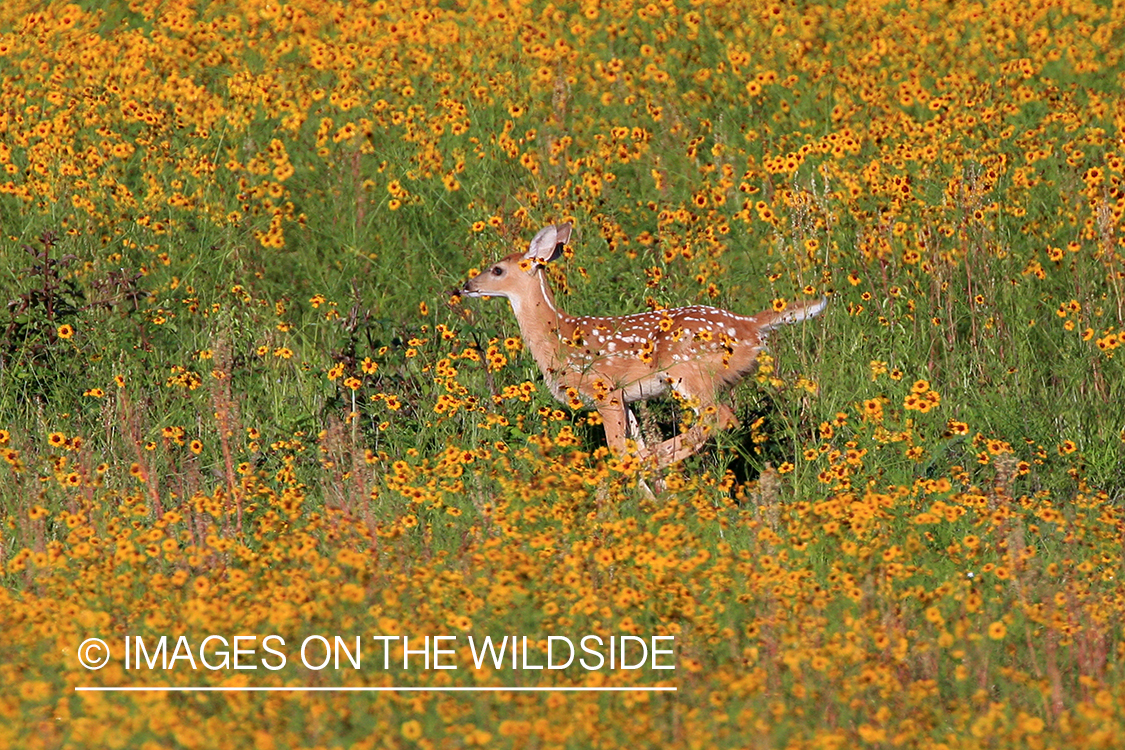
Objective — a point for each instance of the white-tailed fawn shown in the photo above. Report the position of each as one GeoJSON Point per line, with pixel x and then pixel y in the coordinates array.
{"type": "Point", "coordinates": [608, 363]}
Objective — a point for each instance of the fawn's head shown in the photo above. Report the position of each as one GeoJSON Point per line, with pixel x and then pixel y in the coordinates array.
{"type": "Point", "coordinates": [518, 275]}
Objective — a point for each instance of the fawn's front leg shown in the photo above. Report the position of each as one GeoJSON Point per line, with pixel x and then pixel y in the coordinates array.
{"type": "Point", "coordinates": [612, 409]}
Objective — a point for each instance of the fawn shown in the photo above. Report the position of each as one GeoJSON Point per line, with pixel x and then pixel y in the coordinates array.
{"type": "Point", "coordinates": [609, 363]}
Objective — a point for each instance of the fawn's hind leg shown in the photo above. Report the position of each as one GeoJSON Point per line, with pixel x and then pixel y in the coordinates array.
{"type": "Point", "coordinates": [676, 449]}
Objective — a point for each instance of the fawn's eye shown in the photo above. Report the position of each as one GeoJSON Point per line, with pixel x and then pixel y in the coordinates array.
{"type": "Point", "coordinates": [497, 271]}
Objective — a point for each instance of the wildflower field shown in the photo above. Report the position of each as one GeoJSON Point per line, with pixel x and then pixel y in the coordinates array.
{"type": "Point", "coordinates": [239, 397]}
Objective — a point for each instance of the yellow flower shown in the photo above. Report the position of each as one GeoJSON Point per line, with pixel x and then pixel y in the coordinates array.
{"type": "Point", "coordinates": [411, 730]}
{"type": "Point", "coordinates": [953, 427]}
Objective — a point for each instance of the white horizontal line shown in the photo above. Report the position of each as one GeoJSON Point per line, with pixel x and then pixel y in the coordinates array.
{"type": "Point", "coordinates": [221, 689]}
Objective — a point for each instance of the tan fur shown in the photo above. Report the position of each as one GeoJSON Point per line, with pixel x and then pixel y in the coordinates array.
{"type": "Point", "coordinates": [611, 362]}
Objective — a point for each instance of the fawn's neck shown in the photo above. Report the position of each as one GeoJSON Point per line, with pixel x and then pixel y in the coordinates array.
{"type": "Point", "coordinates": [543, 326]}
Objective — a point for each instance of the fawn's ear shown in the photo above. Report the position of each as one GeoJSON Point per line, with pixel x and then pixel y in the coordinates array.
{"type": "Point", "coordinates": [548, 244]}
